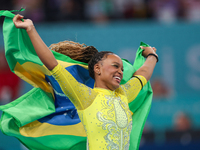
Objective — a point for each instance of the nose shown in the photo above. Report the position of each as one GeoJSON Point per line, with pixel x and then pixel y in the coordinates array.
{"type": "Point", "coordinates": [120, 71]}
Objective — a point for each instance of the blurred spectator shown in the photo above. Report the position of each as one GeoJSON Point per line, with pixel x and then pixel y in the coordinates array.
{"type": "Point", "coordinates": [182, 121]}
{"type": "Point", "coordinates": [191, 10]}
{"type": "Point", "coordinates": [182, 131]}
{"type": "Point", "coordinates": [72, 9]}
{"type": "Point", "coordinates": [98, 10]}
{"type": "Point", "coordinates": [34, 9]}
{"type": "Point", "coordinates": [9, 82]}
{"type": "Point", "coordinates": [160, 88]}
{"type": "Point", "coordinates": [165, 11]}
{"type": "Point", "coordinates": [52, 10]}
{"type": "Point", "coordinates": [135, 9]}
{"type": "Point", "coordinates": [119, 6]}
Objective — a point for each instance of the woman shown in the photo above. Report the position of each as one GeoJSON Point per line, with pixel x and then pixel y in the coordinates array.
{"type": "Point", "coordinates": [103, 110]}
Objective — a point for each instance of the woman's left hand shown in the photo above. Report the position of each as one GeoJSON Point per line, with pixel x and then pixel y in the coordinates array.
{"type": "Point", "coordinates": [148, 50]}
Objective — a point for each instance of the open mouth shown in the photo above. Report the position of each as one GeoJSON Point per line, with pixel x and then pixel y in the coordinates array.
{"type": "Point", "coordinates": [118, 79]}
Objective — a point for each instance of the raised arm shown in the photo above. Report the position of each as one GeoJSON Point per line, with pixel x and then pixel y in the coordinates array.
{"type": "Point", "coordinates": [142, 75]}
{"type": "Point", "coordinates": [41, 49]}
{"type": "Point", "coordinates": [79, 94]}
{"type": "Point", "coordinates": [146, 70]}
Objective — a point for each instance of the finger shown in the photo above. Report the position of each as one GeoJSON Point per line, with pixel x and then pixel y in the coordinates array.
{"type": "Point", "coordinates": [154, 49]}
{"type": "Point", "coordinates": [17, 17]}
{"type": "Point", "coordinates": [142, 47]}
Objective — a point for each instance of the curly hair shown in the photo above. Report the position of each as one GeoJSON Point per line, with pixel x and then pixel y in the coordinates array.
{"type": "Point", "coordinates": [76, 51]}
{"type": "Point", "coordinates": [95, 59]}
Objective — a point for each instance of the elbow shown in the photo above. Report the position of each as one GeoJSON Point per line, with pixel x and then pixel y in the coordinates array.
{"type": "Point", "coordinates": [143, 72]}
{"type": "Point", "coordinates": [146, 75]}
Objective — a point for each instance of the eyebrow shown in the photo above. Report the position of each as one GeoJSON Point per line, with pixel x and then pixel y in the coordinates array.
{"type": "Point", "coordinates": [116, 63]}
{"type": "Point", "coordinates": [119, 64]}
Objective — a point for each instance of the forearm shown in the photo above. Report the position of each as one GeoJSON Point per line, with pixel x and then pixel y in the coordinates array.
{"type": "Point", "coordinates": [146, 70]}
{"type": "Point", "coordinates": [43, 52]}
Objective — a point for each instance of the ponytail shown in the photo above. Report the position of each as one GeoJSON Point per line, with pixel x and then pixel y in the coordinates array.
{"type": "Point", "coordinates": [76, 51]}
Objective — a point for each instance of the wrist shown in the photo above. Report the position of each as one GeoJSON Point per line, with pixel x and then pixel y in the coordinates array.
{"type": "Point", "coordinates": [30, 28]}
{"type": "Point", "coordinates": [154, 55]}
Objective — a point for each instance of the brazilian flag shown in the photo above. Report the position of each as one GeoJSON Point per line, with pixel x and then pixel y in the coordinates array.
{"type": "Point", "coordinates": [44, 118]}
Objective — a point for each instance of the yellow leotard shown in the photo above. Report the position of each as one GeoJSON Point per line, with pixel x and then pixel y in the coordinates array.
{"type": "Point", "coordinates": [104, 113]}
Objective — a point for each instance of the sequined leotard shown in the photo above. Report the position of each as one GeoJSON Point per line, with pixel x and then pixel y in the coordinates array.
{"type": "Point", "coordinates": [104, 113]}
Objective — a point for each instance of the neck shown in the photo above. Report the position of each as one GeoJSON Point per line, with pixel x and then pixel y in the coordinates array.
{"type": "Point", "coordinates": [102, 85]}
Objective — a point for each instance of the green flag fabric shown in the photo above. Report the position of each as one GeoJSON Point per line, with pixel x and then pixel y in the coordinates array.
{"type": "Point", "coordinates": [32, 118]}
{"type": "Point", "coordinates": [141, 104]}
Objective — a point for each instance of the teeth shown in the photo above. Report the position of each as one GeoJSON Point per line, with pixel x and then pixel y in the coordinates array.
{"type": "Point", "coordinates": [118, 78]}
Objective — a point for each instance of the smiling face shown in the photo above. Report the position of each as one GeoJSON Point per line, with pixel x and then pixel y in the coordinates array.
{"type": "Point", "coordinates": [109, 72]}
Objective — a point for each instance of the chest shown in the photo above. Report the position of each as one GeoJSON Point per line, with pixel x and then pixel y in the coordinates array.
{"type": "Point", "coordinates": [111, 109]}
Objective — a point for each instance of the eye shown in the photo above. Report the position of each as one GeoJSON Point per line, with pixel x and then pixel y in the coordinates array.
{"type": "Point", "coordinates": [122, 69]}
{"type": "Point", "coordinates": [116, 66]}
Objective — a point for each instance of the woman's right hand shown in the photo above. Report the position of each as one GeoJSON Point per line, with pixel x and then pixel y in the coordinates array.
{"type": "Point", "coordinates": [26, 24]}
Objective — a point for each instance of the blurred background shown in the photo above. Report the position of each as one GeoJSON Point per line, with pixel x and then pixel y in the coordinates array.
{"type": "Point", "coordinates": [172, 26]}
